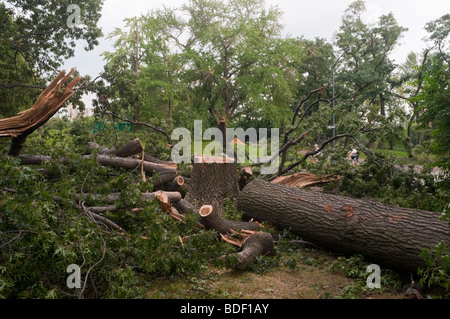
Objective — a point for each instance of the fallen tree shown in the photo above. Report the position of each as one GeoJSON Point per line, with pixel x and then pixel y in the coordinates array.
{"type": "Point", "coordinates": [128, 149]}
{"type": "Point", "coordinates": [129, 163]}
{"type": "Point", "coordinates": [131, 148]}
{"type": "Point", "coordinates": [389, 235]}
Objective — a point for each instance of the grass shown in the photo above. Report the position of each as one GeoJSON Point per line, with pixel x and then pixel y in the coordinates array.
{"type": "Point", "coordinates": [309, 278]}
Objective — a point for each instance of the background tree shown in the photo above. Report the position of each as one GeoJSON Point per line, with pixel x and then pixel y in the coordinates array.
{"type": "Point", "coordinates": [228, 56]}
{"type": "Point", "coordinates": [122, 70]}
{"type": "Point", "coordinates": [35, 40]}
{"type": "Point", "coordinates": [434, 105]}
{"type": "Point", "coordinates": [366, 72]}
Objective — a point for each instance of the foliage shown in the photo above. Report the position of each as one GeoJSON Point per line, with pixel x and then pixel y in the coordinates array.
{"type": "Point", "coordinates": [206, 60]}
{"type": "Point", "coordinates": [437, 271]}
{"type": "Point", "coordinates": [37, 36]}
{"type": "Point", "coordinates": [356, 267]}
{"type": "Point", "coordinates": [435, 109]}
{"type": "Point", "coordinates": [383, 179]}
{"type": "Point", "coordinates": [43, 230]}
{"type": "Point", "coordinates": [366, 73]}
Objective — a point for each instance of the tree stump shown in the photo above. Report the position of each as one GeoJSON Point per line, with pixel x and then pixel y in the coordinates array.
{"type": "Point", "coordinates": [212, 182]}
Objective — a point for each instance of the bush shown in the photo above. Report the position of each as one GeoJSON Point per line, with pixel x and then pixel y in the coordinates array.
{"type": "Point", "coordinates": [385, 180]}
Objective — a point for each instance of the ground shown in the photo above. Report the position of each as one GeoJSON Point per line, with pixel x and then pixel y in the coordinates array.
{"type": "Point", "coordinates": [311, 279]}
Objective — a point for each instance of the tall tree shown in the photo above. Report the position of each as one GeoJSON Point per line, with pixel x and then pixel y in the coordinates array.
{"type": "Point", "coordinates": [215, 60]}
{"type": "Point", "coordinates": [367, 70]}
{"type": "Point", "coordinates": [36, 37]}
{"type": "Point", "coordinates": [434, 105]}
{"type": "Point", "coordinates": [121, 72]}
{"type": "Point", "coordinates": [239, 60]}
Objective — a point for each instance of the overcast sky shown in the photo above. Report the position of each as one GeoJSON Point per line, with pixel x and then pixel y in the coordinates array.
{"type": "Point", "coordinates": [318, 18]}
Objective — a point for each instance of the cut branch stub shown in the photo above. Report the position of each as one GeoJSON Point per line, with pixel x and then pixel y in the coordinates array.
{"type": "Point", "coordinates": [213, 220]}
{"type": "Point", "coordinates": [176, 184]}
{"type": "Point", "coordinates": [258, 244]}
{"type": "Point", "coordinates": [163, 201]}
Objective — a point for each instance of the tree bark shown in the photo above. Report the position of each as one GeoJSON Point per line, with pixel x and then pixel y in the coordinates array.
{"type": "Point", "coordinates": [256, 245]}
{"type": "Point", "coordinates": [130, 163]}
{"type": "Point", "coordinates": [213, 220]}
{"type": "Point", "coordinates": [186, 207]}
{"type": "Point", "coordinates": [176, 184]}
{"type": "Point", "coordinates": [389, 235]}
{"type": "Point", "coordinates": [174, 197]}
{"type": "Point", "coordinates": [128, 149]}
{"type": "Point", "coordinates": [212, 183]}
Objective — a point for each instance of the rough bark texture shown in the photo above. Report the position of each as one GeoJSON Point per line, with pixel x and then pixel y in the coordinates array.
{"type": "Point", "coordinates": [388, 235]}
{"type": "Point", "coordinates": [257, 244]}
{"type": "Point", "coordinates": [149, 158]}
{"type": "Point", "coordinates": [185, 207]}
{"type": "Point", "coordinates": [174, 197]}
{"type": "Point", "coordinates": [213, 220]}
{"type": "Point", "coordinates": [128, 149]}
{"type": "Point", "coordinates": [212, 184]}
{"type": "Point", "coordinates": [130, 163]}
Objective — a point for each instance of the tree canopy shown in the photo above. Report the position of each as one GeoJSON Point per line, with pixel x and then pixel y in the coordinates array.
{"type": "Point", "coordinates": [36, 38]}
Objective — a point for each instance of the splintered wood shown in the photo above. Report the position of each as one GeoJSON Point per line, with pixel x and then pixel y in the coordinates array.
{"type": "Point", "coordinates": [237, 238]}
{"type": "Point", "coordinates": [166, 206]}
{"type": "Point", "coordinates": [48, 103]}
{"type": "Point", "coordinates": [304, 179]}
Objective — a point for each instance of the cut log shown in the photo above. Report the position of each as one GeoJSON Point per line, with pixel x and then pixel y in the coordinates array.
{"type": "Point", "coordinates": [161, 179]}
{"type": "Point", "coordinates": [212, 182]}
{"type": "Point", "coordinates": [176, 184]}
{"type": "Point", "coordinates": [388, 235]}
{"type": "Point", "coordinates": [149, 158]}
{"type": "Point", "coordinates": [186, 207]}
{"type": "Point", "coordinates": [128, 149]}
{"type": "Point", "coordinates": [130, 163]}
{"type": "Point", "coordinates": [258, 244]}
{"type": "Point", "coordinates": [213, 220]}
{"type": "Point", "coordinates": [174, 197]}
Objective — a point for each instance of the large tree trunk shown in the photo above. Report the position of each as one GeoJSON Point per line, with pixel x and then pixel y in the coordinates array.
{"type": "Point", "coordinates": [212, 182]}
{"type": "Point", "coordinates": [384, 234]}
